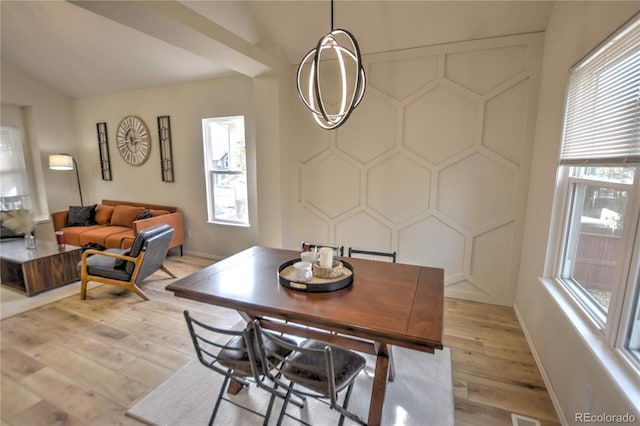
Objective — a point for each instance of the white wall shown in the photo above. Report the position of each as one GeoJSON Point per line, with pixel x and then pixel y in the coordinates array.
{"type": "Point", "coordinates": [51, 129]}
{"type": "Point", "coordinates": [186, 104]}
{"type": "Point", "coordinates": [433, 164]}
{"type": "Point", "coordinates": [574, 373]}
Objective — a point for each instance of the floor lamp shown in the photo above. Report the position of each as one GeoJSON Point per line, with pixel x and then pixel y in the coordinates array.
{"type": "Point", "coordinates": [65, 162]}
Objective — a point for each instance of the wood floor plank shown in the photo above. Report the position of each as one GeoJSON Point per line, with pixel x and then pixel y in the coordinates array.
{"type": "Point", "coordinates": [530, 401]}
{"type": "Point", "coordinates": [90, 374]}
{"type": "Point", "coordinates": [15, 397]}
{"type": "Point", "coordinates": [45, 413]}
{"type": "Point", "coordinates": [80, 402]}
{"type": "Point", "coordinates": [16, 364]}
{"type": "Point", "coordinates": [130, 346]}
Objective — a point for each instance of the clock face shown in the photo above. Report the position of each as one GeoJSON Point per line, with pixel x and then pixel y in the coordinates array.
{"type": "Point", "coordinates": [134, 140]}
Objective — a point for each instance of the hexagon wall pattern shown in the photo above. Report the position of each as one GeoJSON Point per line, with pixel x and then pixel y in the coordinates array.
{"type": "Point", "coordinates": [433, 164]}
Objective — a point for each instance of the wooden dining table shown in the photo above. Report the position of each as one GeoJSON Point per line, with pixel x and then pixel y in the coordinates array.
{"type": "Point", "coordinates": [386, 304]}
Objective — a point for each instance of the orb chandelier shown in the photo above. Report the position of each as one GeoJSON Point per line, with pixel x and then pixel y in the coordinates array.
{"type": "Point", "coordinates": [317, 71]}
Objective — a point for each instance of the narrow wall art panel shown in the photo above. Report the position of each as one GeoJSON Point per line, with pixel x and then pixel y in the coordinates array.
{"type": "Point", "coordinates": [103, 148]}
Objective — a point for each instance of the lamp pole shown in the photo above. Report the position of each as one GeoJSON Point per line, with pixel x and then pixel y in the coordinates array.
{"type": "Point", "coordinates": [75, 166]}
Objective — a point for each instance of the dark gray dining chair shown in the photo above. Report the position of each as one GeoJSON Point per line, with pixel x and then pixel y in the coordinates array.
{"type": "Point", "coordinates": [314, 368]}
{"type": "Point", "coordinates": [391, 255]}
{"type": "Point", "coordinates": [233, 359]}
{"type": "Point", "coordinates": [307, 246]}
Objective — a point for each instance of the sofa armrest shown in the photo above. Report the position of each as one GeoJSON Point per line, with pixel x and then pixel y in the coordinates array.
{"type": "Point", "coordinates": [60, 219]}
{"type": "Point", "coordinates": [175, 220]}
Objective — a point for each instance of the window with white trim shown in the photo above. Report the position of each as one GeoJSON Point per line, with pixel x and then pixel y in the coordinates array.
{"type": "Point", "coordinates": [226, 170]}
{"type": "Point", "coordinates": [20, 186]}
{"type": "Point", "coordinates": [600, 174]}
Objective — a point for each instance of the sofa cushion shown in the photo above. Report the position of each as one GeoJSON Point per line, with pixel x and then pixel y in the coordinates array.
{"type": "Point", "coordinates": [72, 233]}
{"type": "Point", "coordinates": [100, 234]}
{"type": "Point", "coordinates": [115, 240]}
{"type": "Point", "coordinates": [82, 215]}
{"type": "Point", "coordinates": [103, 214]}
{"type": "Point", "coordinates": [125, 215]}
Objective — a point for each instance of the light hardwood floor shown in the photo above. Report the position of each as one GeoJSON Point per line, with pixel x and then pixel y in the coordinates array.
{"type": "Point", "coordinates": [86, 362]}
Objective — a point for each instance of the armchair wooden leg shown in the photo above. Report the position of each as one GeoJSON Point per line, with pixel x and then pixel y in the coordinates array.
{"type": "Point", "coordinates": [134, 288]}
{"type": "Point", "coordinates": [168, 272]}
{"type": "Point", "coordinates": [83, 290]}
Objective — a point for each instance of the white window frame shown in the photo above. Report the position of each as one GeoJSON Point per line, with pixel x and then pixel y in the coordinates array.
{"type": "Point", "coordinates": [614, 328]}
{"type": "Point", "coordinates": [624, 272]}
{"type": "Point", "coordinates": [212, 174]}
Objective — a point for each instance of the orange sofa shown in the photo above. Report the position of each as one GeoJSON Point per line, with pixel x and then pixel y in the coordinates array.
{"type": "Point", "coordinates": [116, 220]}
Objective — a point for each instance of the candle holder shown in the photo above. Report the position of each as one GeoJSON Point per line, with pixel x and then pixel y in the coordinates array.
{"type": "Point", "coordinates": [333, 272]}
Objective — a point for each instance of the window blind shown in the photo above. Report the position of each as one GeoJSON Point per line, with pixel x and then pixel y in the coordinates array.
{"type": "Point", "coordinates": [602, 117]}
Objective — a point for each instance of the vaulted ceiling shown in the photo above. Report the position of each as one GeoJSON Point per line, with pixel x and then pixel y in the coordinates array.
{"type": "Point", "coordinates": [87, 48]}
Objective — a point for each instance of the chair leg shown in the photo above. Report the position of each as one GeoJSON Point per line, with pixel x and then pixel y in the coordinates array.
{"type": "Point", "coordinates": [344, 412]}
{"type": "Point", "coordinates": [267, 415]}
{"type": "Point", "coordinates": [285, 403]}
{"type": "Point", "coordinates": [83, 290]}
{"type": "Point", "coordinates": [345, 404]}
{"type": "Point", "coordinates": [219, 400]}
{"type": "Point", "coordinates": [134, 288]}
{"type": "Point", "coordinates": [168, 272]}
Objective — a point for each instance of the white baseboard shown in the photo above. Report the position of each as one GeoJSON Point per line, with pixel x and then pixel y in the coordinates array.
{"type": "Point", "coordinates": [545, 378]}
{"type": "Point", "coordinates": [176, 252]}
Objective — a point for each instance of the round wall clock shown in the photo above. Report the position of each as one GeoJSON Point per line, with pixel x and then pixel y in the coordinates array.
{"type": "Point", "coordinates": [134, 140]}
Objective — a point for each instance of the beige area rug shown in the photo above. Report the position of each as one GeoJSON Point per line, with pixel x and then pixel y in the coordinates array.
{"type": "Point", "coordinates": [421, 395]}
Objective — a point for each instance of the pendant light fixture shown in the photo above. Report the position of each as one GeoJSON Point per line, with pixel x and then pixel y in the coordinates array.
{"type": "Point", "coordinates": [347, 81]}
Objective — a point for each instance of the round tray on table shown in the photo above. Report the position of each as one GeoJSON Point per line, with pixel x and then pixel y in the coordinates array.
{"type": "Point", "coordinates": [315, 284]}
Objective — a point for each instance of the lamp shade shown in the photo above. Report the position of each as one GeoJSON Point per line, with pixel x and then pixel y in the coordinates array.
{"type": "Point", "coordinates": [61, 162]}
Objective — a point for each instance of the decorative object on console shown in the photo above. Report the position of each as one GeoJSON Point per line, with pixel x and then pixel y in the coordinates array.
{"type": "Point", "coordinates": [64, 161]}
{"type": "Point", "coordinates": [166, 150]}
{"type": "Point", "coordinates": [16, 223]}
{"type": "Point", "coordinates": [134, 140]}
{"type": "Point", "coordinates": [103, 148]}
{"type": "Point", "coordinates": [351, 78]}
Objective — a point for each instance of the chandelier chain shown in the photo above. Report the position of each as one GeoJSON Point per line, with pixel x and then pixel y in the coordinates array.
{"type": "Point", "coordinates": [332, 27]}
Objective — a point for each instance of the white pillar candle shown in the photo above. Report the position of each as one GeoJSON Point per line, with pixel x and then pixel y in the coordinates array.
{"type": "Point", "coordinates": [326, 257]}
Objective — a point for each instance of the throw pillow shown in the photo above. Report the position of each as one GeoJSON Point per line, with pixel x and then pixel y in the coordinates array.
{"type": "Point", "coordinates": [103, 214]}
{"type": "Point", "coordinates": [82, 216]}
{"type": "Point", "coordinates": [125, 215]}
{"type": "Point", "coordinates": [121, 263]}
{"type": "Point", "coordinates": [146, 214]}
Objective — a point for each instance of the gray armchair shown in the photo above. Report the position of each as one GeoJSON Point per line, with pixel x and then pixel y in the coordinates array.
{"type": "Point", "coordinates": [128, 268]}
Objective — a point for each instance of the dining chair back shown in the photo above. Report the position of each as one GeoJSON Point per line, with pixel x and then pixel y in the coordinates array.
{"type": "Point", "coordinates": [315, 369]}
{"type": "Point", "coordinates": [307, 246]}
{"type": "Point", "coordinates": [370, 254]}
{"type": "Point", "coordinates": [227, 353]}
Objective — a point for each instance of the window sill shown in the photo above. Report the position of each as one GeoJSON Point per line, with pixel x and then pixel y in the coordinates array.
{"type": "Point", "coordinates": [613, 362]}
{"type": "Point", "coordinates": [236, 224]}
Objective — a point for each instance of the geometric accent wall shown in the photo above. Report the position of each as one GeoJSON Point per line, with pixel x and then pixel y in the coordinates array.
{"type": "Point", "coordinates": [433, 163]}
